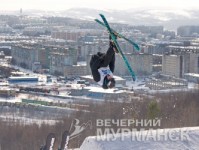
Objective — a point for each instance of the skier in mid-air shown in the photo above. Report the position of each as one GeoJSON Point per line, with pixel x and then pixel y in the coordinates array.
{"type": "Point", "coordinates": [102, 66]}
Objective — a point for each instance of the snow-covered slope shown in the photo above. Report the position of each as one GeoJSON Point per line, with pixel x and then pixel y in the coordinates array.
{"type": "Point", "coordinates": [164, 139]}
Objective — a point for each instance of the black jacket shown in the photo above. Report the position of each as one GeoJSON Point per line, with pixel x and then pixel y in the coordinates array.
{"type": "Point", "coordinates": [102, 60]}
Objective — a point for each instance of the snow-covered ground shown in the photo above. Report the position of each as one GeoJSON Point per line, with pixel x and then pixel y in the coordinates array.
{"type": "Point", "coordinates": [137, 85]}
{"type": "Point", "coordinates": [161, 139]}
{"type": "Point", "coordinates": [11, 118]}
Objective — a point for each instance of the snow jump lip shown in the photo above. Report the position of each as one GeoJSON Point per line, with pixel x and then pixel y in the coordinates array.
{"type": "Point", "coordinates": [171, 138]}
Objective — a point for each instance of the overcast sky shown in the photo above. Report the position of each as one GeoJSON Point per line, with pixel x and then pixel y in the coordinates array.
{"type": "Point", "coordinates": [96, 4]}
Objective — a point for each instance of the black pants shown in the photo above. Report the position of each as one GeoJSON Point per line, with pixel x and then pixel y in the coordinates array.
{"type": "Point", "coordinates": [102, 60]}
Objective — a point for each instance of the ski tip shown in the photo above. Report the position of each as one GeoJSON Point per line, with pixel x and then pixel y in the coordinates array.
{"type": "Point", "coordinates": [137, 47]}
{"type": "Point", "coordinates": [134, 45]}
{"type": "Point", "coordinates": [101, 15]}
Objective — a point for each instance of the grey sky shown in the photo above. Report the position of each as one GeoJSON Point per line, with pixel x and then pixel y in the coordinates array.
{"type": "Point", "coordinates": [96, 4]}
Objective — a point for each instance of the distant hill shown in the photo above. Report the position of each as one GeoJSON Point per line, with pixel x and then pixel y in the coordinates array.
{"type": "Point", "coordinates": [169, 18]}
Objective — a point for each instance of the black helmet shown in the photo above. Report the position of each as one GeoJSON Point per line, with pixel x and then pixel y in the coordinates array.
{"type": "Point", "coordinates": [111, 84]}
{"type": "Point", "coordinates": [108, 83]}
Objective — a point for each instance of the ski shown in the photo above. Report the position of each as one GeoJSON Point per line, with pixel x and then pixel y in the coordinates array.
{"type": "Point", "coordinates": [50, 141]}
{"type": "Point", "coordinates": [65, 140]}
{"type": "Point", "coordinates": [113, 37]}
{"type": "Point", "coordinates": [120, 35]}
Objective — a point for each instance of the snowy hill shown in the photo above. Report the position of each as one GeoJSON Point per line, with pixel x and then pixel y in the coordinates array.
{"type": "Point", "coordinates": [164, 139]}
{"type": "Point", "coordinates": [170, 18]}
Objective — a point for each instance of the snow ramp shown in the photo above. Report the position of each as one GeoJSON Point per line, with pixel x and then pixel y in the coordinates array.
{"type": "Point", "coordinates": [186, 138]}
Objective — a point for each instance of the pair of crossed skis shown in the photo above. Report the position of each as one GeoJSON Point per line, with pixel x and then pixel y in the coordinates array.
{"type": "Point", "coordinates": [115, 34]}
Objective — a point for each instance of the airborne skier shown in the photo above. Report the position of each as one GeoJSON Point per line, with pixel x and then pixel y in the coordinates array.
{"type": "Point", "coordinates": [102, 66]}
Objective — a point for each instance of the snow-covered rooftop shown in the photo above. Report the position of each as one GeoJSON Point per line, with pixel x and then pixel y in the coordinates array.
{"type": "Point", "coordinates": [90, 77]}
{"type": "Point", "coordinates": [192, 74]}
{"type": "Point", "coordinates": [101, 90]}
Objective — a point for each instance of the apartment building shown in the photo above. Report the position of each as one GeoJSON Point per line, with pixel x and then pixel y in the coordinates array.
{"type": "Point", "coordinates": [188, 31]}
{"type": "Point", "coordinates": [172, 65]}
{"type": "Point", "coordinates": [141, 64]}
{"type": "Point", "coordinates": [25, 55]}
{"type": "Point", "coordinates": [61, 58]}
{"type": "Point", "coordinates": [179, 64]}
